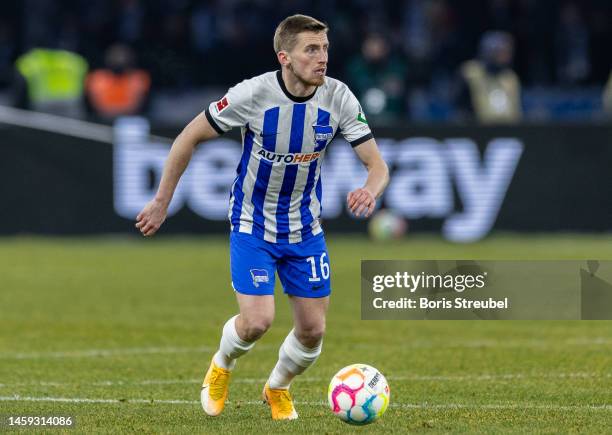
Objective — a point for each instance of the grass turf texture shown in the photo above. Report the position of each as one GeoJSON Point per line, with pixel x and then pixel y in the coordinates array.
{"type": "Point", "coordinates": [135, 322]}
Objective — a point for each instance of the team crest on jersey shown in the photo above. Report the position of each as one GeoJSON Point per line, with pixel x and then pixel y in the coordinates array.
{"type": "Point", "coordinates": [259, 275]}
{"type": "Point", "coordinates": [323, 134]}
{"type": "Point", "coordinates": [222, 104]}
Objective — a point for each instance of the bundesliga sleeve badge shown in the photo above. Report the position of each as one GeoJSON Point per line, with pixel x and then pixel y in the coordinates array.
{"type": "Point", "coordinates": [222, 104]}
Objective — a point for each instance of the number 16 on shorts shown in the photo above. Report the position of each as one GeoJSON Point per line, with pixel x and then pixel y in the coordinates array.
{"type": "Point", "coordinates": [323, 268]}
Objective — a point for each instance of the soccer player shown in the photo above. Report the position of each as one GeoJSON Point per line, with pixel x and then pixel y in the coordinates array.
{"type": "Point", "coordinates": [287, 119]}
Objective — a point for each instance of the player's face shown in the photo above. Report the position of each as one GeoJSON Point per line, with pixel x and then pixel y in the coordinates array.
{"type": "Point", "coordinates": [308, 59]}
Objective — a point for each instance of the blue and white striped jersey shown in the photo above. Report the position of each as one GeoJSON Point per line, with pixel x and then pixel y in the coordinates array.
{"type": "Point", "coordinates": [276, 195]}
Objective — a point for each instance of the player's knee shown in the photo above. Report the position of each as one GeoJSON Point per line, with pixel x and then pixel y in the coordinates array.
{"type": "Point", "coordinates": [312, 335]}
{"type": "Point", "coordinates": [254, 328]}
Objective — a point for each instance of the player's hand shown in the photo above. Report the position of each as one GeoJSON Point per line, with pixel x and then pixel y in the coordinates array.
{"type": "Point", "coordinates": [361, 202]}
{"type": "Point", "coordinates": [151, 217]}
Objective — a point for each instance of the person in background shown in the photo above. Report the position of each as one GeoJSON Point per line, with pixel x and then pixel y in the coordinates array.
{"type": "Point", "coordinates": [119, 89]}
{"type": "Point", "coordinates": [489, 90]}
{"type": "Point", "coordinates": [378, 79]}
{"type": "Point", "coordinates": [51, 80]}
{"type": "Point", "coordinates": [572, 46]}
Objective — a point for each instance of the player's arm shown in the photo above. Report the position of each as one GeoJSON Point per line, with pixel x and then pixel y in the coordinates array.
{"type": "Point", "coordinates": [362, 201]}
{"type": "Point", "coordinates": [154, 213]}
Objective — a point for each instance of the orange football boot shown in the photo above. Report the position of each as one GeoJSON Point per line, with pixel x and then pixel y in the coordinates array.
{"type": "Point", "coordinates": [215, 389]}
{"type": "Point", "coordinates": [281, 403]}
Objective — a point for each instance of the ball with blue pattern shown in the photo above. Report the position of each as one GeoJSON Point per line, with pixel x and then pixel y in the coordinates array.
{"type": "Point", "coordinates": [358, 394]}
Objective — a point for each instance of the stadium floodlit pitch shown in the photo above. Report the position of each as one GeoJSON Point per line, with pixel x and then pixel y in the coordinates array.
{"type": "Point", "coordinates": [118, 332]}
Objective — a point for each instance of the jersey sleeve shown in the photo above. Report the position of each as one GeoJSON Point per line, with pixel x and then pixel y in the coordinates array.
{"type": "Point", "coordinates": [353, 124]}
{"type": "Point", "coordinates": [232, 110]}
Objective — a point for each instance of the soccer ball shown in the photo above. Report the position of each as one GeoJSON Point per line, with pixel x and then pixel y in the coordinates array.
{"type": "Point", "coordinates": [358, 394]}
{"type": "Point", "coordinates": [386, 225]}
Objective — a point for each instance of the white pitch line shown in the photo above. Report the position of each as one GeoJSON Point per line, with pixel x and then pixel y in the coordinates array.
{"type": "Point", "coordinates": [544, 344]}
{"type": "Point", "coordinates": [92, 353]}
{"type": "Point", "coordinates": [439, 378]}
{"type": "Point", "coordinates": [492, 406]}
{"type": "Point", "coordinates": [483, 377]}
{"type": "Point", "coordinates": [17, 398]}
{"type": "Point", "coordinates": [504, 406]}
{"type": "Point", "coordinates": [500, 376]}
{"type": "Point", "coordinates": [89, 353]}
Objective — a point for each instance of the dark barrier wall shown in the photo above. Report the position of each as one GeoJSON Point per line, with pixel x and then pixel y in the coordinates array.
{"type": "Point", "coordinates": [462, 181]}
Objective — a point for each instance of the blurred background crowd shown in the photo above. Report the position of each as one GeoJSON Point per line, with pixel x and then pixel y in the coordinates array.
{"type": "Point", "coordinates": [493, 61]}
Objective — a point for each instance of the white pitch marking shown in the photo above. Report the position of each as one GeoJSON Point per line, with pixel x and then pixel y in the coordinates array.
{"type": "Point", "coordinates": [92, 353]}
{"type": "Point", "coordinates": [501, 376]}
{"type": "Point", "coordinates": [441, 378]}
{"type": "Point", "coordinates": [89, 353]}
{"type": "Point", "coordinates": [504, 406]}
{"type": "Point", "coordinates": [595, 341]}
{"type": "Point", "coordinates": [483, 377]}
{"type": "Point", "coordinates": [18, 398]}
{"type": "Point", "coordinates": [492, 406]}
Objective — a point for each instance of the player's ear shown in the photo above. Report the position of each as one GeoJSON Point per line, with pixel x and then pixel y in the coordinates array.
{"type": "Point", "coordinates": [283, 58]}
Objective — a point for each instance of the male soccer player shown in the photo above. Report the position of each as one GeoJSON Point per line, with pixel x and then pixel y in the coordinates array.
{"type": "Point", "coordinates": [287, 119]}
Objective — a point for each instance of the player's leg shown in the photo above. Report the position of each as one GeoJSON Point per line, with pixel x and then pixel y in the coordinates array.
{"type": "Point", "coordinates": [241, 331]}
{"type": "Point", "coordinates": [303, 345]}
{"type": "Point", "coordinates": [305, 276]}
{"type": "Point", "coordinates": [299, 351]}
{"type": "Point", "coordinates": [253, 270]}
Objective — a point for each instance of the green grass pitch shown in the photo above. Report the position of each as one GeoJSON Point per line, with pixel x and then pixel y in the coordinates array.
{"type": "Point", "coordinates": [119, 331]}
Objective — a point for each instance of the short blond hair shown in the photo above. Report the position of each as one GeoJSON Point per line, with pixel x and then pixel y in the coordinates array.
{"type": "Point", "coordinates": [285, 36]}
